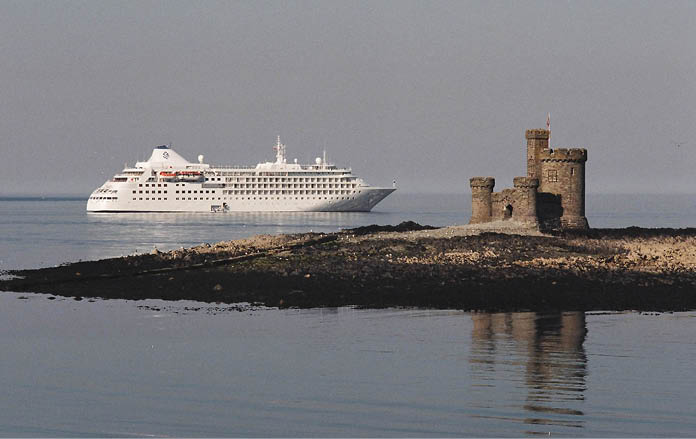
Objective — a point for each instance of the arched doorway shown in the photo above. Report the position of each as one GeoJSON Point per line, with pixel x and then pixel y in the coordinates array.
{"type": "Point", "coordinates": [507, 212]}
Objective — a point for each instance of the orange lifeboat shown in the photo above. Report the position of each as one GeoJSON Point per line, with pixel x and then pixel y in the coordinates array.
{"type": "Point", "coordinates": [190, 175]}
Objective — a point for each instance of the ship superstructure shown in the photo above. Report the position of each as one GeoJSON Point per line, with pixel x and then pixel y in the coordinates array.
{"type": "Point", "coordinates": [167, 182]}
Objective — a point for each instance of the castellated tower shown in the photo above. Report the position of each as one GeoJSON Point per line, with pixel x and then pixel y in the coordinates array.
{"type": "Point", "coordinates": [552, 195]}
{"type": "Point", "coordinates": [481, 190]}
{"type": "Point", "coordinates": [563, 174]}
{"type": "Point", "coordinates": [526, 191]}
{"type": "Point", "coordinates": [537, 141]}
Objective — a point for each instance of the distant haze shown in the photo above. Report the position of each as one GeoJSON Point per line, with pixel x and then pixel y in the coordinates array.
{"type": "Point", "coordinates": [429, 93]}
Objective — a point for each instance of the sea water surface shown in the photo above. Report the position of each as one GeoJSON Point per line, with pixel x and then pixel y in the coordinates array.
{"type": "Point", "coordinates": [154, 368]}
{"type": "Point", "coordinates": [39, 232]}
{"type": "Point", "coordinates": [151, 368]}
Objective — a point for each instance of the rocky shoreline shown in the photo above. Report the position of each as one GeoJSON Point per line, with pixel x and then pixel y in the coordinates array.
{"type": "Point", "coordinates": [496, 267]}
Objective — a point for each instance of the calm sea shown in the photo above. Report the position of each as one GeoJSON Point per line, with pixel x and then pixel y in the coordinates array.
{"type": "Point", "coordinates": [36, 232]}
{"type": "Point", "coordinates": [153, 368]}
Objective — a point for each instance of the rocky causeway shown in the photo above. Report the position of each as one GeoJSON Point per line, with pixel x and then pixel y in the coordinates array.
{"type": "Point", "coordinates": [497, 266]}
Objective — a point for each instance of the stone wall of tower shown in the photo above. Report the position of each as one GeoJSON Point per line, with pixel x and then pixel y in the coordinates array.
{"type": "Point", "coordinates": [481, 191]}
{"type": "Point", "coordinates": [518, 204]}
{"type": "Point", "coordinates": [504, 205]}
{"type": "Point", "coordinates": [537, 141]}
{"type": "Point", "coordinates": [563, 176]}
{"type": "Point", "coordinates": [526, 187]}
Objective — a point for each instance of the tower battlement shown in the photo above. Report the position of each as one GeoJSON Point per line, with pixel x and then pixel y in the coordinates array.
{"type": "Point", "coordinates": [482, 182]}
{"type": "Point", "coordinates": [563, 155]}
{"type": "Point", "coordinates": [537, 133]}
{"type": "Point", "coordinates": [527, 182]}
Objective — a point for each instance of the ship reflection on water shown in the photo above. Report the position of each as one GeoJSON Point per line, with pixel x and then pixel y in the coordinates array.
{"type": "Point", "coordinates": [539, 360]}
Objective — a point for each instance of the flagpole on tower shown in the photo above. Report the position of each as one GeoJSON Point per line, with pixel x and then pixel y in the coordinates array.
{"type": "Point", "coordinates": [548, 126]}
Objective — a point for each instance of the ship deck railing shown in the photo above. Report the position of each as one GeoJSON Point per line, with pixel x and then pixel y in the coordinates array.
{"type": "Point", "coordinates": [302, 168]}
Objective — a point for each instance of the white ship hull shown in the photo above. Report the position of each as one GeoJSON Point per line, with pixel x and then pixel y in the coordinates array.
{"type": "Point", "coordinates": [169, 183]}
{"type": "Point", "coordinates": [363, 202]}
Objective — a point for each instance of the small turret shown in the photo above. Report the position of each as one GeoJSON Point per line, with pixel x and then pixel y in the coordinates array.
{"type": "Point", "coordinates": [481, 201]}
{"type": "Point", "coordinates": [526, 188]}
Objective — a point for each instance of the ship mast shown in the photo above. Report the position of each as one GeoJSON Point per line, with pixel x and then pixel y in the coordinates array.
{"type": "Point", "coordinates": [280, 152]}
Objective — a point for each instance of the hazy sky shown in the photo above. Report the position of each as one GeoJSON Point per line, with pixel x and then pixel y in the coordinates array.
{"type": "Point", "coordinates": [429, 93]}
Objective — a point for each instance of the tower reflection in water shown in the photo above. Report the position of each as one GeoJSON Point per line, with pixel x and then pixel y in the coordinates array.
{"type": "Point", "coordinates": [536, 361]}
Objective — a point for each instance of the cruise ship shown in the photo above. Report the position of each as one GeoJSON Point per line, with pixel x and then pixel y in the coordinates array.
{"type": "Point", "coordinates": [167, 182]}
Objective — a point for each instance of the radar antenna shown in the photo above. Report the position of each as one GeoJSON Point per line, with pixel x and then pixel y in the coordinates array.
{"type": "Point", "coordinates": [280, 152]}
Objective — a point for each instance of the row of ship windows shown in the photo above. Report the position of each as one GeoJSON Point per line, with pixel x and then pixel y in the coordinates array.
{"type": "Point", "coordinates": [271, 185]}
{"type": "Point", "coordinates": [283, 174]}
{"type": "Point", "coordinates": [166, 192]}
{"type": "Point", "coordinates": [103, 198]}
{"type": "Point", "coordinates": [267, 180]}
{"type": "Point", "coordinates": [244, 198]}
{"type": "Point", "coordinates": [288, 192]}
{"type": "Point", "coordinates": [287, 179]}
{"type": "Point", "coordinates": [292, 185]}
{"type": "Point", "coordinates": [260, 192]}
{"type": "Point", "coordinates": [242, 177]}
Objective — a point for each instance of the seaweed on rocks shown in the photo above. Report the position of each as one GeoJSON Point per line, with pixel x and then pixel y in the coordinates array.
{"type": "Point", "coordinates": [404, 265]}
{"type": "Point", "coordinates": [405, 226]}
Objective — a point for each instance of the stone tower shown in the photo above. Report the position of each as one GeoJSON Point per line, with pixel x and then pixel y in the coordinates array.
{"type": "Point", "coordinates": [563, 174]}
{"type": "Point", "coordinates": [537, 141]}
{"type": "Point", "coordinates": [481, 191]}
{"type": "Point", "coordinates": [526, 188]}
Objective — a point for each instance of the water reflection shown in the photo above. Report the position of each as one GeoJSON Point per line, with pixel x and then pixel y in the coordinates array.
{"type": "Point", "coordinates": [126, 233]}
{"type": "Point", "coordinates": [539, 360]}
